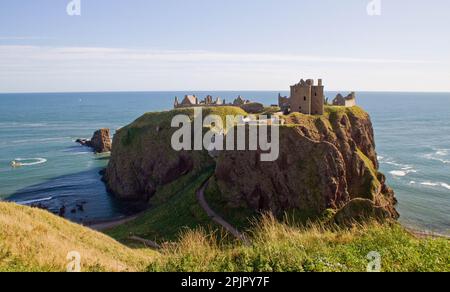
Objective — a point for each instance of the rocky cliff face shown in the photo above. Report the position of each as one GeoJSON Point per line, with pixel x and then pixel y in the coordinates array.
{"type": "Point", "coordinates": [143, 160]}
{"type": "Point", "coordinates": [325, 162]}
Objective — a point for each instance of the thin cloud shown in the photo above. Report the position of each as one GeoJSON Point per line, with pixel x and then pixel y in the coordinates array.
{"type": "Point", "coordinates": [119, 54]}
{"type": "Point", "coordinates": [21, 38]}
{"type": "Point", "coordinates": [42, 68]}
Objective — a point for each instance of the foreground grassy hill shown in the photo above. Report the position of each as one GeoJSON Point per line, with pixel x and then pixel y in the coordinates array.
{"type": "Point", "coordinates": [35, 240]}
{"type": "Point", "coordinates": [282, 247]}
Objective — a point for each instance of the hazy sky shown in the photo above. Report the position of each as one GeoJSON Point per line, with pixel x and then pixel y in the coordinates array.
{"type": "Point", "coordinates": [141, 45]}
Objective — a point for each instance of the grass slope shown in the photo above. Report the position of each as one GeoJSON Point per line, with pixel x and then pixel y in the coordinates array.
{"type": "Point", "coordinates": [35, 240]}
{"type": "Point", "coordinates": [174, 209]}
{"type": "Point", "coordinates": [279, 247]}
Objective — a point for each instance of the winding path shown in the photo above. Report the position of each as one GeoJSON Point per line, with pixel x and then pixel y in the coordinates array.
{"type": "Point", "coordinates": [215, 217]}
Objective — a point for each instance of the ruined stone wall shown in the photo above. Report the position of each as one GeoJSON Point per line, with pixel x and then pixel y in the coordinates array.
{"type": "Point", "coordinates": [350, 103]}
{"type": "Point", "coordinates": [301, 99]}
{"type": "Point", "coordinates": [317, 100]}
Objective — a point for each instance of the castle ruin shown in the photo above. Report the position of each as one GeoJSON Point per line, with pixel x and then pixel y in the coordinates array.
{"type": "Point", "coordinates": [194, 101]}
{"type": "Point", "coordinates": [347, 101]}
{"type": "Point", "coordinates": [306, 98]}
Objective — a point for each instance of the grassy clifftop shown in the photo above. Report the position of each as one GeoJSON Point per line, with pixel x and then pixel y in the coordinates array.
{"type": "Point", "coordinates": [35, 240]}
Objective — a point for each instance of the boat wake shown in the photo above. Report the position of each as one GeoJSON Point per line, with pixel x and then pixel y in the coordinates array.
{"type": "Point", "coordinates": [29, 202]}
{"type": "Point", "coordinates": [19, 162]}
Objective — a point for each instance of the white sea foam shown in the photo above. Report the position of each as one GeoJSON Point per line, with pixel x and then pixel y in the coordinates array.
{"type": "Point", "coordinates": [34, 201]}
{"type": "Point", "coordinates": [30, 161]}
{"type": "Point", "coordinates": [400, 173]}
{"type": "Point", "coordinates": [403, 169]}
{"type": "Point", "coordinates": [430, 184]}
{"type": "Point", "coordinates": [436, 184]}
{"type": "Point", "coordinates": [439, 155]}
{"type": "Point", "coordinates": [81, 153]}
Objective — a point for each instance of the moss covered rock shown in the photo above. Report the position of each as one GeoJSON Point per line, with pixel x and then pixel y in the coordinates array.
{"type": "Point", "coordinates": [360, 211]}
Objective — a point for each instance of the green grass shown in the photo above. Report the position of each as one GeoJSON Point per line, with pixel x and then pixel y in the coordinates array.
{"type": "Point", "coordinates": [173, 208]}
{"type": "Point", "coordinates": [35, 240]}
{"type": "Point", "coordinates": [281, 247]}
{"type": "Point", "coordinates": [148, 123]}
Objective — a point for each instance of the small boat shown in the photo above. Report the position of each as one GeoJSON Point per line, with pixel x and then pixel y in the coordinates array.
{"type": "Point", "coordinates": [15, 164]}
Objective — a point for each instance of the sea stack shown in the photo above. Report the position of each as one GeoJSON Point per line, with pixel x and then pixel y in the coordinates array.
{"type": "Point", "coordinates": [100, 141]}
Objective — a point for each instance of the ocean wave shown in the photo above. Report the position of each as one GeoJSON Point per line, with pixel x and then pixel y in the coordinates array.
{"type": "Point", "coordinates": [442, 152]}
{"type": "Point", "coordinates": [29, 202]}
{"type": "Point", "coordinates": [436, 184]}
{"type": "Point", "coordinates": [439, 154]}
{"type": "Point", "coordinates": [22, 125]}
{"type": "Point", "coordinates": [402, 169]}
{"type": "Point", "coordinates": [80, 153]}
{"type": "Point", "coordinates": [430, 184]}
{"type": "Point", "coordinates": [401, 173]}
{"type": "Point", "coordinates": [30, 161]}
{"type": "Point", "coordinates": [36, 141]}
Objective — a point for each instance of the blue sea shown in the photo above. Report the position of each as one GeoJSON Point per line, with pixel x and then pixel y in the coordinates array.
{"type": "Point", "coordinates": [412, 133]}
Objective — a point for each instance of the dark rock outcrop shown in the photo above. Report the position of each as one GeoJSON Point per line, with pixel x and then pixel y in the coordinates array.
{"type": "Point", "coordinates": [100, 141]}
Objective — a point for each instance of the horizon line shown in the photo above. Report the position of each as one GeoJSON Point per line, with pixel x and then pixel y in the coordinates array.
{"type": "Point", "coordinates": [207, 90]}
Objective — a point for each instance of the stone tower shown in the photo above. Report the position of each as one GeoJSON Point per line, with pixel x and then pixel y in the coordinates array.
{"type": "Point", "coordinates": [307, 98]}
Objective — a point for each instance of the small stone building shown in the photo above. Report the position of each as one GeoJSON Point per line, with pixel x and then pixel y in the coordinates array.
{"type": "Point", "coordinates": [188, 101]}
{"type": "Point", "coordinates": [348, 101]}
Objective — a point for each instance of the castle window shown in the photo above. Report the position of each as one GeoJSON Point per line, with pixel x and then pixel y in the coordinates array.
{"type": "Point", "coordinates": [304, 98]}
